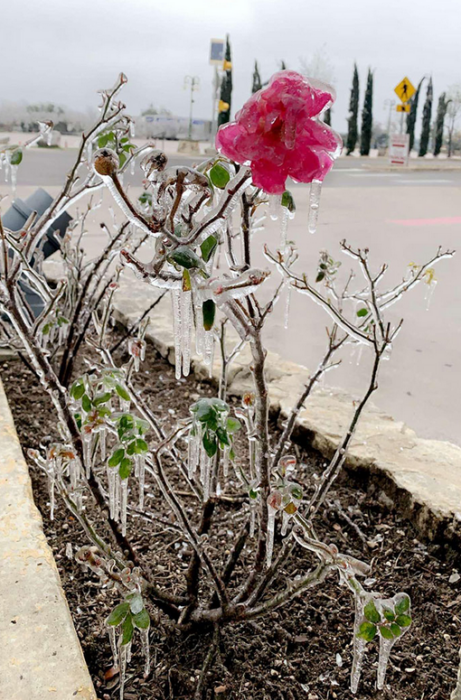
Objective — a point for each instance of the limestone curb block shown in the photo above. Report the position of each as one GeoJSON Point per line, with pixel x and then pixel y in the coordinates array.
{"type": "Point", "coordinates": [424, 476]}
{"type": "Point", "coordinates": [41, 656]}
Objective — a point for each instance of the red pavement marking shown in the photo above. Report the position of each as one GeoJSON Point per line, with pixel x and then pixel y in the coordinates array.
{"type": "Point", "coordinates": [427, 222]}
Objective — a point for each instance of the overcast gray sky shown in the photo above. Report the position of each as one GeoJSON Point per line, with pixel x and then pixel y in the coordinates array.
{"type": "Point", "coordinates": [65, 50]}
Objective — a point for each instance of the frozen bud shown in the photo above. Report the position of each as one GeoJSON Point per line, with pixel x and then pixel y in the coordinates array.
{"type": "Point", "coordinates": [155, 161]}
{"type": "Point", "coordinates": [248, 399]}
{"type": "Point", "coordinates": [274, 500]}
{"type": "Point", "coordinates": [106, 162]}
{"type": "Point", "coordinates": [287, 464]}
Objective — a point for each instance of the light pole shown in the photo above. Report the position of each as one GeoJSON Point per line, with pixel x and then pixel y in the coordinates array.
{"type": "Point", "coordinates": [194, 83]}
{"type": "Point", "coordinates": [391, 104]}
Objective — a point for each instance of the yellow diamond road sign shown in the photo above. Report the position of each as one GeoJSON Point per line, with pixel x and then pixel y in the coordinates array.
{"type": "Point", "coordinates": [405, 90]}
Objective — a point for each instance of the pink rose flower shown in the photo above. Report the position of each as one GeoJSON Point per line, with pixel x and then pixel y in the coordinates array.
{"type": "Point", "coordinates": [278, 133]}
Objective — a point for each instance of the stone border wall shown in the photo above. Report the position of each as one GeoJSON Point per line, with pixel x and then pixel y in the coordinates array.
{"type": "Point", "coordinates": [40, 656]}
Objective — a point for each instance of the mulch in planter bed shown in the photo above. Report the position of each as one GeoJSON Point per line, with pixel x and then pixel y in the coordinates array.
{"type": "Point", "coordinates": [299, 652]}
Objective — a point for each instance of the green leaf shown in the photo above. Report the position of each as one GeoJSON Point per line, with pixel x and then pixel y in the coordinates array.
{"type": "Point", "coordinates": [209, 313]}
{"type": "Point", "coordinates": [362, 312]}
{"type": "Point", "coordinates": [367, 631]}
{"type": "Point", "coordinates": [78, 420]}
{"type": "Point", "coordinates": [141, 446]}
{"type": "Point", "coordinates": [127, 630]}
{"type": "Point", "coordinates": [253, 494]}
{"type": "Point", "coordinates": [288, 201]}
{"type": "Point", "coordinates": [231, 454]}
{"type": "Point", "coordinates": [118, 614]}
{"type": "Point", "coordinates": [210, 444]}
{"type": "Point", "coordinates": [142, 619]}
{"type": "Point", "coordinates": [122, 392]}
{"type": "Point", "coordinates": [125, 468]}
{"type": "Point", "coordinates": [371, 612]}
{"type": "Point", "coordinates": [136, 602]}
{"type": "Point", "coordinates": [386, 633]}
{"type": "Point", "coordinates": [402, 605]}
{"type": "Point", "coordinates": [403, 620]}
{"type": "Point", "coordinates": [296, 491]}
{"type": "Point", "coordinates": [145, 198]}
{"type": "Point", "coordinates": [16, 157]}
{"type": "Point", "coordinates": [131, 449]}
{"type": "Point", "coordinates": [396, 631]}
{"type": "Point", "coordinates": [208, 247]}
{"type": "Point", "coordinates": [102, 398]}
{"type": "Point", "coordinates": [186, 283]}
{"type": "Point", "coordinates": [86, 403]}
{"type": "Point", "coordinates": [219, 176]}
{"type": "Point", "coordinates": [388, 614]}
{"type": "Point", "coordinates": [320, 277]}
{"type": "Point", "coordinates": [222, 436]}
{"type": "Point", "coordinates": [185, 257]}
{"type": "Point", "coordinates": [116, 457]}
{"type": "Point", "coordinates": [77, 390]}
{"type": "Point", "coordinates": [233, 425]}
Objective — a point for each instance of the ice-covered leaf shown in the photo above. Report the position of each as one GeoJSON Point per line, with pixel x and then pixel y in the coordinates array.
{"type": "Point", "coordinates": [127, 630]}
{"type": "Point", "coordinates": [136, 602]}
{"type": "Point", "coordinates": [86, 403]}
{"type": "Point", "coordinates": [396, 631]}
{"type": "Point", "coordinates": [402, 605]}
{"type": "Point", "coordinates": [118, 614]}
{"type": "Point", "coordinates": [142, 619]}
{"type": "Point", "coordinates": [288, 201]}
{"type": "Point", "coordinates": [16, 157]}
{"type": "Point", "coordinates": [102, 398]}
{"type": "Point", "coordinates": [209, 313]}
{"type": "Point", "coordinates": [388, 614]}
{"type": "Point", "coordinates": [187, 258]}
{"type": "Point", "coordinates": [208, 247]}
{"type": "Point", "coordinates": [386, 632]}
{"type": "Point", "coordinates": [125, 468]}
{"type": "Point", "coordinates": [371, 613]}
{"type": "Point", "coordinates": [367, 631]}
{"type": "Point", "coordinates": [219, 176]}
{"type": "Point", "coordinates": [77, 390]}
{"type": "Point", "coordinates": [403, 620]}
{"type": "Point", "coordinates": [116, 457]}
{"type": "Point", "coordinates": [233, 425]}
{"type": "Point", "coordinates": [210, 444]}
{"type": "Point", "coordinates": [122, 392]}
{"type": "Point", "coordinates": [362, 312]}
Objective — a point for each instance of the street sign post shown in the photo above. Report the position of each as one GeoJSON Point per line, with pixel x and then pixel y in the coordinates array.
{"type": "Point", "coordinates": [405, 90]}
{"type": "Point", "coordinates": [399, 149]}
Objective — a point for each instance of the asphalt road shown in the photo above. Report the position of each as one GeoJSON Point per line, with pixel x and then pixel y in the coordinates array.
{"type": "Point", "coordinates": [50, 168]}
{"type": "Point", "coordinates": [402, 217]}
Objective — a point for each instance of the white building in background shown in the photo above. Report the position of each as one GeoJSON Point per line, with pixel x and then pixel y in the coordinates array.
{"type": "Point", "coordinates": [160, 126]}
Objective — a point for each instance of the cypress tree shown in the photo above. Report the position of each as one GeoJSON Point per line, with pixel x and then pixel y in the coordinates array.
{"type": "Point", "coordinates": [367, 117]}
{"type": "Point", "coordinates": [352, 130]}
{"type": "Point", "coordinates": [426, 128]}
{"type": "Point", "coordinates": [327, 116]}
{"type": "Point", "coordinates": [257, 84]}
{"type": "Point", "coordinates": [411, 116]}
{"type": "Point", "coordinates": [439, 123]}
{"type": "Point", "coordinates": [226, 86]}
{"type": "Point", "coordinates": [283, 65]}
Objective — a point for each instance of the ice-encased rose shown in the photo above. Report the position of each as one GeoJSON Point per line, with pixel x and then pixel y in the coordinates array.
{"type": "Point", "coordinates": [279, 134]}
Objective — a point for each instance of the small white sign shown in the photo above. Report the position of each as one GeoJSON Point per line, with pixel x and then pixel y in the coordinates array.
{"type": "Point", "coordinates": [399, 149]}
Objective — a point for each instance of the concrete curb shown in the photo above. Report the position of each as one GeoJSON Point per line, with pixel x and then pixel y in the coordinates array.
{"type": "Point", "coordinates": [41, 656]}
{"type": "Point", "coordinates": [422, 476]}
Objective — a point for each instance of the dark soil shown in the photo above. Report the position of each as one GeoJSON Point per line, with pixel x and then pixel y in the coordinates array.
{"type": "Point", "coordinates": [292, 653]}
